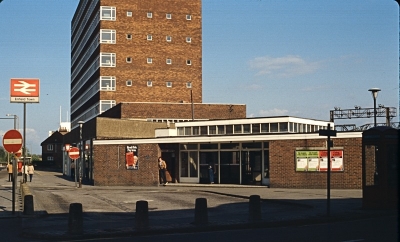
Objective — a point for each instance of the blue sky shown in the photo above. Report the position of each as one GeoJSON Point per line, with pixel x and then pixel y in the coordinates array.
{"type": "Point", "coordinates": [287, 57]}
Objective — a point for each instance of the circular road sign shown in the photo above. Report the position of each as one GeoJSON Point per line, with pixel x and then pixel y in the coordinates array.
{"type": "Point", "coordinates": [73, 153]}
{"type": "Point", "coordinates": [12, 141]}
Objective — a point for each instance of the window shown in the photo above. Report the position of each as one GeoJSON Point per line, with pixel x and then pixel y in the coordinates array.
{"type": "Point", "coordinates": [129, 36]}
{"type": "Point", "coordinates": [188, 85]}
{"type": "Point", "coordinates": [237, 128]}
{"type": "Point", "coordinates": [50, 147]}
{"type": "Point", "coordinates": [188, 130]}
{"type": "Point", "coordinates": [212, 129]}
{"type": "Point", "coordinates": [149, 37]}
{"type": "Point", "coordinates": [283, 127]}
{"type": "Point", "coordinates": [169, 61]}
{"type": "Point", "coordinates": [149, 83]}
{"type": "Point", "coordinates": [149, 60]}
{"type": "Point", "coordinates": [255, 128]}
{"type": "Point", "coordinates": [188, 17]}
{"type": "Point", "coordinates": [107, 36]}
{"type": "Point", "coordinates": [106, 104]}
{"type": "Point", "coordinates": [50, 158]}
{"type": "Point", "coordinates": [129, 14]}
{"type": "Point", "coordinates": [274, 127]}
{"type": "Point", "coordinates": [129, 83]}
{"type": "Point", "coordinates": [169, 84]}
{"type": "Point", "coordinates": [107, 13]}
{"type": "Point", "coordinates": [168, 16]}
{"type": "Point", "coordinates": [107, 83]}
{"type": "Point", "coordinates": [107, 59]}
{"type": "Point", "coordinates": [188, 40]}
{"type": "Point", "coordinates": [221, 129]}
{"type": "Point", "coordinates": [129, 59]}
{"type": "Point", "coordinates": [188, 62]}
{"type": "Point", "coordinates": [246, 128]}
{"type": "Point", "coordinates": [149, 15]}
{"type": "Point", "coordinates": [265, 128]}
{"type": "Point", "coordinates": [169, 38]}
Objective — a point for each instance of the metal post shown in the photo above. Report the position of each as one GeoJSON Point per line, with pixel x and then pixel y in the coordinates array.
{"type": "Point", "coordinates": [24, 148]}
{"type": "Point", "coordinates": [80, 153]}
{"type": "Point", "coordinates": [374, 92]}
{"type": "Point", "coordinates": [14, 183]}
{"type": "Point", "coordinates": [374, 112]}
{"type": "Point", "coordinates": [328, 201]}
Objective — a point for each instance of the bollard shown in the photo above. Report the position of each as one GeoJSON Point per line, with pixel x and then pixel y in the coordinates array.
{"type": "Point", "coordinates": [28, 205]}
{"type": "Point", "coordinates": [142, 215]}
{"type": "Point", "coordinates": [254, 208]}
{"type": "Point", "coordinates": [201, 214]}
{"type": "Point", "coordinates": [75, 219]}
{"type": "Point", "coordinates": [80, 182]}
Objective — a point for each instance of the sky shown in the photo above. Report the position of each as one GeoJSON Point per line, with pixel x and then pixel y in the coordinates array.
{"type": "Point", "coordinates": [280, 58]}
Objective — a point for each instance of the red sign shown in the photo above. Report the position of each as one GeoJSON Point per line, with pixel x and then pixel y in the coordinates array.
{"type": "Point", "coordinates": [73, 153]}
{"type": "Point", "coordinates": [24, 90]}
{"type": "Point", "coordinates": [18, 153]}
{"type": "Point", "coordinates": [12, 141]}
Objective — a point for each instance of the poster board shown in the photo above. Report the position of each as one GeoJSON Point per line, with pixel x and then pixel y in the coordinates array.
{"type": "Point", "coordinates": [131, 157]}
{"type": "Point", "coordinates": [317, 160]}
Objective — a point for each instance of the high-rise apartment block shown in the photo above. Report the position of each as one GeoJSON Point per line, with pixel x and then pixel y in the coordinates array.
{"type": "Point", "coordinates": [134, 51]}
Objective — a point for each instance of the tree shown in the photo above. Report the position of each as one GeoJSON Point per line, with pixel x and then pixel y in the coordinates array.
{"type": "Point", "coordinates": [3, 154]}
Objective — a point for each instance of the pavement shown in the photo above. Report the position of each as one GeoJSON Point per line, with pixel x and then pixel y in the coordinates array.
{"type": "Point", "coordinates": [110, 211]}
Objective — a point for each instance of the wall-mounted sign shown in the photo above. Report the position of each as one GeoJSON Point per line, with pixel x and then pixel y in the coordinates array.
{"type": "Point", "coordinates": [317, 160]}
{"type": "Point", "coordinates": [131, 157]}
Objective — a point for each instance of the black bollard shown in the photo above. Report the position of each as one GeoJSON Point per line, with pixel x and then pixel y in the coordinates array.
{"type": "Point", "coordinates": [201, 214]}
{"type": "Point", "coordinates": [75, 219]}
{"type": "Point", "coordinates": [28, 205]}
{"type": "Point", "coordinates": [142, 214]}
{"type": "Point", "coordinates": [254, 208]}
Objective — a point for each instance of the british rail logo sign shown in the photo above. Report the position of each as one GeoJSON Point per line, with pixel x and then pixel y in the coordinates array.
{"type": "Point", "coordinates": [24, 90]}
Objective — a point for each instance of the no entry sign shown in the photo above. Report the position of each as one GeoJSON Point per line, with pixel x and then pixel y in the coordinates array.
{"type": "Point", "coordinates": [12, 141]}
{"type": "Point", "coordinates": [73, 153]}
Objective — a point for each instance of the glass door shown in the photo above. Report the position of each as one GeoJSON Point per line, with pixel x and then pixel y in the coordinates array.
{"type": "Point", "coordinates": [251, 167]}
{"type": "Point", "coordinates": [189, 167]}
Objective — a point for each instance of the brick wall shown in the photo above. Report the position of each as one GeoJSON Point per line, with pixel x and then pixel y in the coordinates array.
{"type": "Point", "coordinates": [282, 165]}
{"type": "Point", "coordinates": [182, 110]}
{"type": "Point", "coordinates": [139, 49]}
{"type": "Point", "coordinates": [109, 166]}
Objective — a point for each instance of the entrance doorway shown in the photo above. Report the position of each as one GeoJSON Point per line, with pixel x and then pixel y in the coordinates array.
{"type": "Point", "coordinates": [169, 157]}
{"type": "Point", "coordinates": [251, 167]}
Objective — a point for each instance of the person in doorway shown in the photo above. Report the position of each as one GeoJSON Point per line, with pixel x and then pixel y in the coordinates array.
{"type": "Point", "coordinates": [211, 174]}
{"type": "Point", "coordinates": [10, 172]}
{"type": "Point", "coordinates": [72, 169]}
{"type": "Point", "coordinates": [30, 171]}
{"type": "Point", "coordinates": [162, 167]}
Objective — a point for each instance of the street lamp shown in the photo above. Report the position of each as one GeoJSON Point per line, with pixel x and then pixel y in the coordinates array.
{"type": "Point", "coordinates": [15, 119]}
{"type": "Point", "coordinates": [374, 92]}
{"type": "Point", "coordinates": [81, 152]}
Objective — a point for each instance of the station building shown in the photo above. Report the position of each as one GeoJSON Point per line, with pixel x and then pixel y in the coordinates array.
{"type": "Point", "coordinates": [272, 151]}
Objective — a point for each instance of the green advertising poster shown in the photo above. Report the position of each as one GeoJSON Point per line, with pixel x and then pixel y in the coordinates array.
{"type": "Point", "coordinates": [301, 160]}
{"type": "Point", "coordinates": [307, 160]}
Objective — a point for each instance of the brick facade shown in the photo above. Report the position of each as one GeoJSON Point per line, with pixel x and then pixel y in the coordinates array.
{"type": "Point", "coordinates": [176, 111]}
{"type": "Point", "coordinates": [109, 166]}
{"type": "Point", "coordinates": [283, 170]}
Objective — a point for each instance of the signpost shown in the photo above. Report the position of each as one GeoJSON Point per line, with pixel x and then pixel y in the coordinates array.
{"type": "Point", "coordinates": [328, 132]}
{"type": "Point", "coordinates": [74, 154]}
{"type": "Point", "coordinates": [12, 143]}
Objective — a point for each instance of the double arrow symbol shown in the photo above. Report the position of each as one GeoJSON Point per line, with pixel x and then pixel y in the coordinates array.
{"type": "Point", "coordinates": [25, 87]}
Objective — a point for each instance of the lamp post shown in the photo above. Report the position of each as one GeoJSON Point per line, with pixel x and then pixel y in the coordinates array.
{"type": "Point", "coordinates": [15, 119]}
{"type": "Point", "coordinates": [374, 92]}
{"type": "Point", "coordinates": [80, 153]}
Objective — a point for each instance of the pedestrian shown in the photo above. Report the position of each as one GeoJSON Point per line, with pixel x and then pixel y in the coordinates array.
{"type": "Point", "coordinates": [31, 169]}
{"type": "Point", "coordinates": [211, 174]}
{"type": "Point", "coordinates": [162, 167]}
{"type": "Point", "coordinates": [72, 169]}
{"type": "Point", "coordinates": [10, 171]}
{"type": "Point", "coordinates": [25, 172]}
